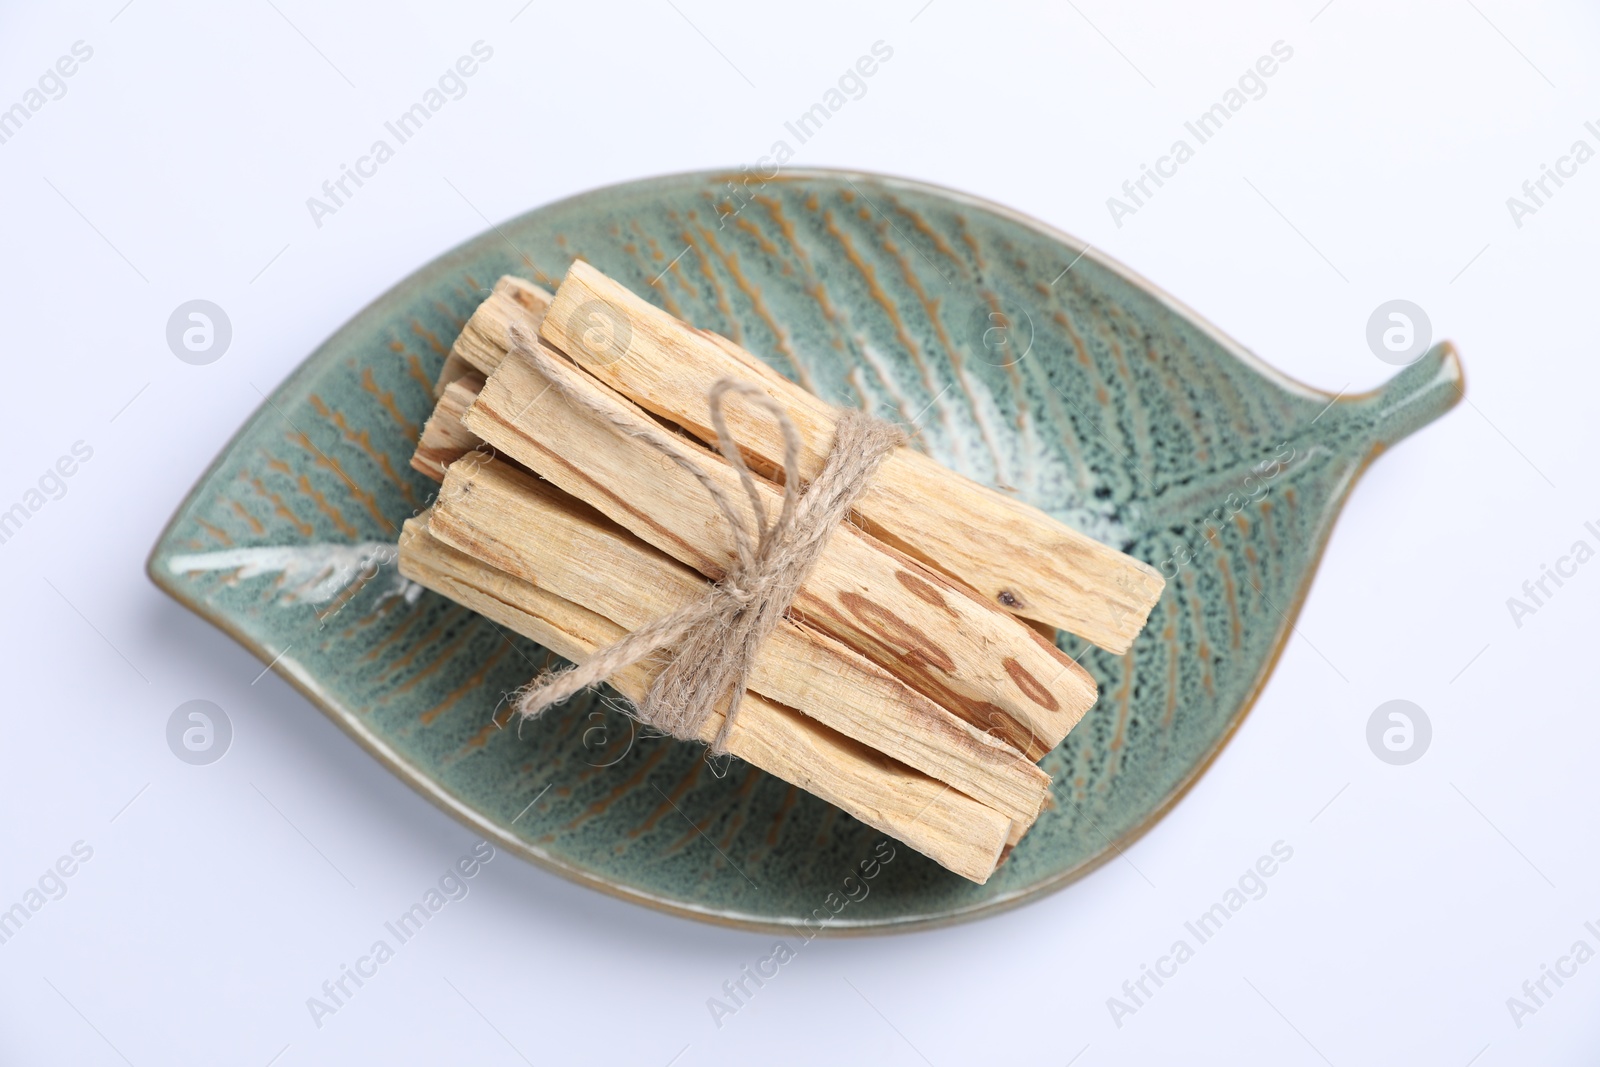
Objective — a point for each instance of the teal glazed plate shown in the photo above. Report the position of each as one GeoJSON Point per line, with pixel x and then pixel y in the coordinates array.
{"type": "Point", "coordinates": [1018, 357]}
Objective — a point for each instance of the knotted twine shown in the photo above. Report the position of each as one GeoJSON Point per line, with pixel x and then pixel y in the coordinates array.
{"type": "Point", "coordinates": [714, 640]}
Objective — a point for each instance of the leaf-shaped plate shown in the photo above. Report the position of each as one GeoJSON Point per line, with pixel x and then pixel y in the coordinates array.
{"type": "Point", "coordinates": [1021, 359]}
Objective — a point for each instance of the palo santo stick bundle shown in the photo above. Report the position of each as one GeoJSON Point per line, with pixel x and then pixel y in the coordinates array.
{"type": "Point", "coordinates": [941, 823]}
{"type": "Point", "coordinates": [902, 681]}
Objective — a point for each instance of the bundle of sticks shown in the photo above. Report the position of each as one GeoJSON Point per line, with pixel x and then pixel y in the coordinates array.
{"type": "Point", "coordinates": [914, 682]}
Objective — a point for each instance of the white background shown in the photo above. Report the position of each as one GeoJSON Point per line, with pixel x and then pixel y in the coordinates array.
{"type": "Point", "coordinates": [177, 166]}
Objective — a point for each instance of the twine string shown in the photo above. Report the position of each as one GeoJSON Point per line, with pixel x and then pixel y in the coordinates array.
{"type": "Point", "coordinates": [713, 641]}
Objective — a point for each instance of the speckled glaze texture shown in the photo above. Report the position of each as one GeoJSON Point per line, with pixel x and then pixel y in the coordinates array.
{"type": "Point", "coordinates": [1084, 391]}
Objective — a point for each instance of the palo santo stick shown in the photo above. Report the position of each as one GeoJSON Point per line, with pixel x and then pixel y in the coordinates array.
{"type": "Point", "coordinates": [529, 529]}
{"type": "Point", "coordinates": [981, 664]}
{"type": "Point", "coordinates": [936, 820]}
{"type": "Point", "coordinates": [482, 344]}
{"type": "Point", "coordinates": [445, 438]}
{"type": "Point", "coordinates": [453, 370]}
{"type": "Point", "coordinates": [1013, 554]}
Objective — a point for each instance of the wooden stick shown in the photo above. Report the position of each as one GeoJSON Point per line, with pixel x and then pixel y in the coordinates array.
{"type": "Point", "coordinates": [1014, 555]}
{"type": "Point", "coordinates": [529, 529]}
{"type": "Point", "coordinates": [445, 438]}
{"type": "Point", "coordinates": [454, 368]}
{"type": "Point", "coordinates": [983, 665]}
{"type": "Point", "coordinates": [482, 343]}
{"type": "Point", "coordinates": [930, 817]}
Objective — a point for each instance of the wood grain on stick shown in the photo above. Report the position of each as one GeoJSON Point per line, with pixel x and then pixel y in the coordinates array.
{"type": "Point", "coordinates": [1014, 555]}
{"type": "Point", "coordinates": [978, 662]}
{"type": "Point", "coordinates": [531, 530]}
{"type": "Point", "coordinates": [944, 824]}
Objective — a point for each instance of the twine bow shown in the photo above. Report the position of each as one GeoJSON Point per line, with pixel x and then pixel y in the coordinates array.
{"type": "Point", "coordinates": [714, 640]}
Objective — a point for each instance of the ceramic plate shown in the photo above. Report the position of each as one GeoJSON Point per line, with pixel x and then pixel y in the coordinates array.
{"type": "Point", "coordinates": [1019, 358]}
